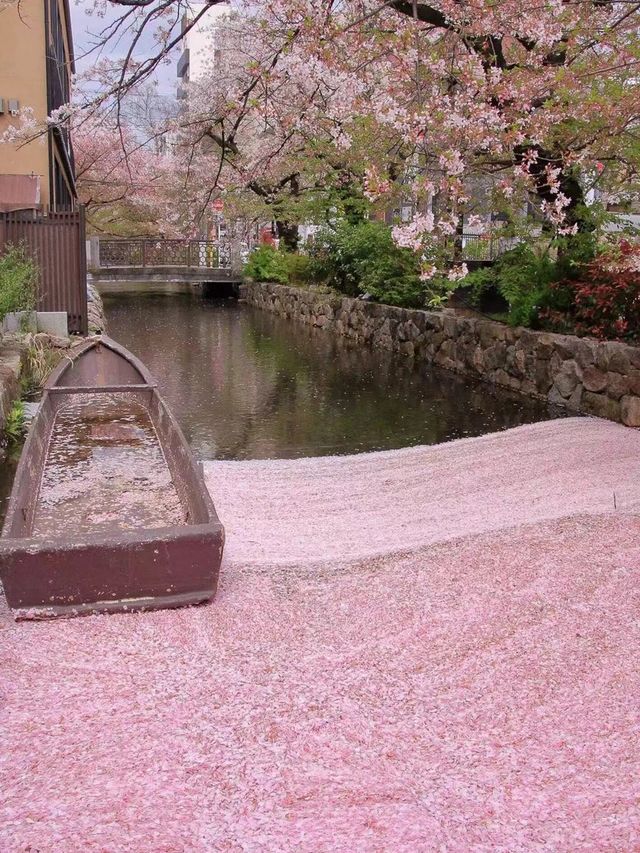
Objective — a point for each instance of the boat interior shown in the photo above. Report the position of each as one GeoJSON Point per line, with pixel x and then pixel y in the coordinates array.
{"type": "Point", "coordinates": [104, 455]}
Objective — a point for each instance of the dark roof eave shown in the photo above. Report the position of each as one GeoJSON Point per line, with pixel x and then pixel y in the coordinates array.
{"type": "Point", "coordinates": [66, 162]}
{"type": "Point", "coordinates": [67, 19]}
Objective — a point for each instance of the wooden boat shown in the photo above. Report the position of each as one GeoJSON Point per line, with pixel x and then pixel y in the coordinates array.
{"type": "Point", "coordinates": [109, 511]}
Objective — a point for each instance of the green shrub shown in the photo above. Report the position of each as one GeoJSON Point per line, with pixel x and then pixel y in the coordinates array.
{"type": "Point", "coordinates": [14, 425]}
{"type": "Point", "coordinates": [477, 284]}
{"type": "Point", "coordinates": [17, 281]}
{"type": "Point", "coordinates": [266, 263]}
{"type": "Point", "coordinates": [573, 253]}
{"type": "Point", "coordinates": [523, 278]}
{"type": "Point", "coordinates": [299, 268]}
{"type": "Point", "coordinates": [357, 258]}
{"type": "Point", "coordinates": [604, 295]}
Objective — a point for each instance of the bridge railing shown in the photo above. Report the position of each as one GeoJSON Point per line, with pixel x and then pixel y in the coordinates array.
{"type": "Point", "coordinates": [193, 254]}
{"type": "Point", "coordinates": [486, 247]}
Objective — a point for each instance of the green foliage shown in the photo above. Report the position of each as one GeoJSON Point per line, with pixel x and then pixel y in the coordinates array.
{"type": "Point", "coordinates": [362, 257]}
{"type": "Point", "coordinates": [348, 200]}
{"type": "Point", "coordinates": [523, 278]}
{"type": "Point", "coordinates": [573, 253]}
{"type": "Point", "coordinates": [40, 362]}
{"type": "Point", "coordinates": [266, 263]}
{"type": "Point", "coordinates": [299, 268]}
{"type": "Point", "coordinates": [14, 426]}
{"type": "Point", "coordinates": [17, 281]}
{"type": "Point", "coordinates": [437, 291]}
{"type": "Point", "coordinates": [357, 257]}
{"type": "Point", "coordinates": [604, 297]}
{"type": "Point", "coordinates": [477, 284]}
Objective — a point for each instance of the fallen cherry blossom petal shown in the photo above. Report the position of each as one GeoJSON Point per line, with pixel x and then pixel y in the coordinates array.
{"type": "Point", "coordinates": [471, 688]}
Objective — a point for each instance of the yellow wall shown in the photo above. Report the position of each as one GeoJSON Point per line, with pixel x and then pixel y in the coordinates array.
{"type": "Point", "coordinates": [23, 77]}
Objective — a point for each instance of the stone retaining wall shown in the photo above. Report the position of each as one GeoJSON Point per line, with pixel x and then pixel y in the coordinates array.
{"type": "Point", "coordinates": [95, 311]}
{"type": "Point", "coordinates": [582, 374]}
{"type": "Point", "coordinates": [11, 364]}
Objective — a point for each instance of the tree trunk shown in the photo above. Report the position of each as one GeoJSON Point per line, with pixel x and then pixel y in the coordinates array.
{"type": "Point", "coordinates": [288, 234]}
{"type": "Point", "coordinates": [576, 212]}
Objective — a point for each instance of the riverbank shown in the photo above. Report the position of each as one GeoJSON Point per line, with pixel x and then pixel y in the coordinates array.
{"type": "Point", "coordinates": [14, 360]}
{"type": "Point", "coordinates": [423, 648]}
{"type": "Point", "coordinates": [11, 369]}
{"type": "Point", "coordinates": [580, 374]}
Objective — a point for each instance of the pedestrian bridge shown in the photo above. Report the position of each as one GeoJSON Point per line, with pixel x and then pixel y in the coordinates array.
{"type": "Point", "coordinates": [199, 262]}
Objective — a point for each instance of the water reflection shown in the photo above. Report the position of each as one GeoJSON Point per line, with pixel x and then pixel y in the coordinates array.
{"type": "Point", "coordinates": [246, 384]}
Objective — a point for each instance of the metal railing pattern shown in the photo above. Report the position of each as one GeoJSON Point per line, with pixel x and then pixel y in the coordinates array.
{"type": "Point", "coordinates": [201, 254]}
{"type": "Point", "coordinates": [486, 247]}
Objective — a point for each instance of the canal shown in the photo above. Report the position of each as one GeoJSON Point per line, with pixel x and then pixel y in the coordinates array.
{"type": "Point", "coordinates": [246, 384]}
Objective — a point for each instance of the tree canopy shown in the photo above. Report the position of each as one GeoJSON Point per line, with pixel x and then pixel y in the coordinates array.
{"type": "Point", "coordinates": [481, 106]}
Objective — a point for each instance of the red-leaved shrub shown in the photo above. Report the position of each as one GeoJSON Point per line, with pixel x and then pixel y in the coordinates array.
{"type": "Point", "coordinates": [606, 295]}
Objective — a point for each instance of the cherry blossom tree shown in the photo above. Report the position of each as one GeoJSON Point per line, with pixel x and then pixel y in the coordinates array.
{"type": "Point", "coordinates": [538, 100]}
{"type": "Point", "coordinates": [448, 105]}
{"type": "Point", "coordinates": [244, 127]}
{"type": "Point", "coordinates": [126, 187]}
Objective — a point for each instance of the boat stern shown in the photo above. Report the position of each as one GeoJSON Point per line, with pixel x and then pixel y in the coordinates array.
{"type": "Point", "coordinates": [168, 568]}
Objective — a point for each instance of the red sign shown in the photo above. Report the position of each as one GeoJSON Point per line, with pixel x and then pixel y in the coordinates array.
{"type": "Point", "coordinates": [266, 236]}
{"type": "Point", "coordinates": [218, 204]}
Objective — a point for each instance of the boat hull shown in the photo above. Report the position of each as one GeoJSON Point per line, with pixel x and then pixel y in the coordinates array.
{"type": "Point", "coordinates": [77, 570]}
{"type": "Point", "coordinates": [44, 579]}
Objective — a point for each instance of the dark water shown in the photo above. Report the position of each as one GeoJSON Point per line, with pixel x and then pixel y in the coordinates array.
{"type": "Point", "coordinates": [245, 384]}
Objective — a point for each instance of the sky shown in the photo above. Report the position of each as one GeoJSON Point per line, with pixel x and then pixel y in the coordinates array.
{"type": "Point", "coordinates": [85, 27]}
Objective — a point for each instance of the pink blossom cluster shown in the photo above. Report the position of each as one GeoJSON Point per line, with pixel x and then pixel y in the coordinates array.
{"type": "Point", "coordinates": [512, 99]}
{"type": "Point", "coordinates": [412, 234]}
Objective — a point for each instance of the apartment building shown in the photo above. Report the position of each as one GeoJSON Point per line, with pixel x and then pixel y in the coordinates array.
{"type": "Point", "coordinates": [36, 64]}
{"type": "Point", "coordinates": [203, 44]}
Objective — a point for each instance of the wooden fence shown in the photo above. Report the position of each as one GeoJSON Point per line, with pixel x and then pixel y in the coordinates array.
{"type": "Point", "coordinates": [56, 241]}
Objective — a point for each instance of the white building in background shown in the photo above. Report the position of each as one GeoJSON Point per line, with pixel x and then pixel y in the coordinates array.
{"type": "Point", "coordinates": [213, 52]}
{"type": "Point", "coordinates": [202, 46]}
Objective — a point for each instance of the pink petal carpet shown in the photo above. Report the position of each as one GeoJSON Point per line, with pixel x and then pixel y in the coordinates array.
{"type": "Point", "coordinates": [435, 648]}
